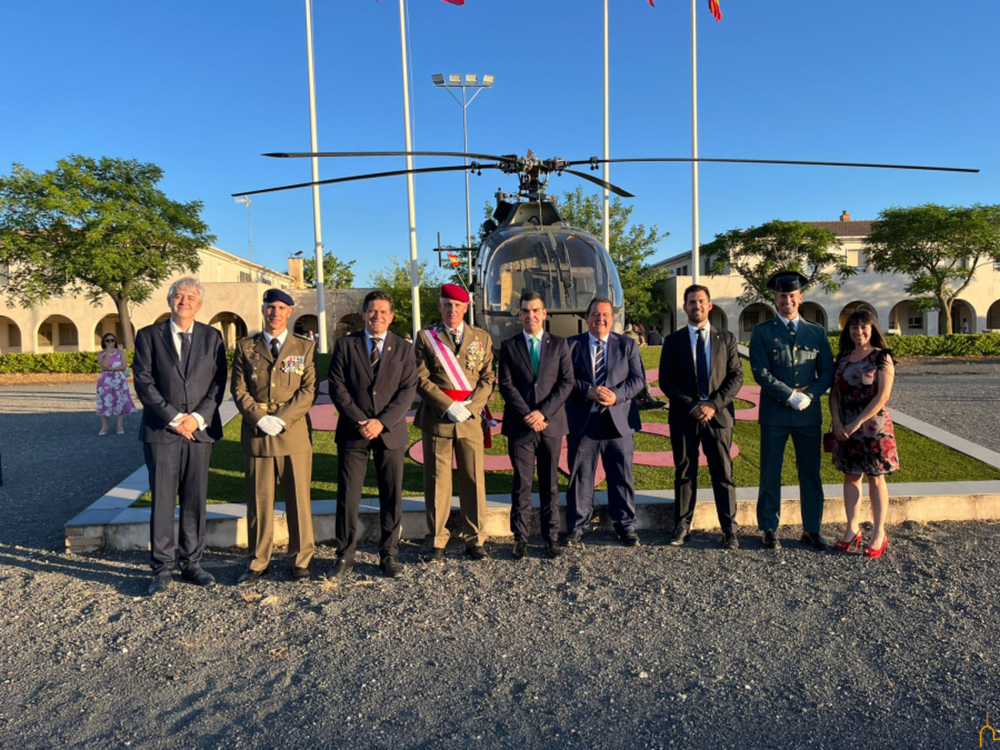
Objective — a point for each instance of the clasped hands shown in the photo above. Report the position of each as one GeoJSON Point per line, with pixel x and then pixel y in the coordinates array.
{"type": "Point", "coordinates": [271, 425]}
{"type": "Point", "coordinates": [370, 428]}
{"type": "Point", "coordinates": [841, 432]}
{"type": "Point", "coordinates": [536, 421]}
{"type": "Point", "coordinates": [458, 412]}
{"type": "Point", "coordinates": [799, 401]}
{"type": "Point", "coordinates": [187, 427]}
{"type": "Point", "coordinates": [602, 395]}
{"type": "Point", "coordinates": [703, 412]}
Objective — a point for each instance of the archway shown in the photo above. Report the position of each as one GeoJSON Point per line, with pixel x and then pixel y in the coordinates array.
{"type": "Point", "coordinates": [231, 326]}
{"type": "Point", "coordinates": [10, 336]}
{"type": "Point", "coordinates": [349, 324]}
{"type": "Point", "coordinates": [306, 325]}
{"type": "Point", "coordinates": [752, 316]}
{"type": "Point", "coordinates": [110, 324]}
{"type": "Point", "coordinates": [813, 313]}
{"type": "Point", "coordinates": [718, 320]}
{"type": "Point", "coordinates": [906, 319]}
{"type": "Point", "coordinates": [162, 319]}
{"type": "Point", "coordinates": [851, 308]}
{"type": "Point", "coordinates": [963, 317]}
{"type": "Point", "coordinates": [57, 333]}
{"type": "Point", "coordinates": [993, 316]}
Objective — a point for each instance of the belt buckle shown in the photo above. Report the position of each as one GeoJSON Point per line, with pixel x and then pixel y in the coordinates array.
{"type": "Point", "coordinates": [272, 407]}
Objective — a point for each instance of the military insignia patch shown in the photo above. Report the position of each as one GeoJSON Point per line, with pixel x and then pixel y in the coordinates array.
{"type": "Point", "coordinates": [294, 365]}
{"type": "Point", "coordinates": [475, 356]}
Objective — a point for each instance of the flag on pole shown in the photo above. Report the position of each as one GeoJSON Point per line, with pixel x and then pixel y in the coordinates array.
{"type": "Point", "coordinates": [652, 3]}
{"type": "Point", "coordinates": [713, 7]}
{"type": "Point", "coordinates": [455, 2]}
{"type": "Point", "coordinates": [454, 260]}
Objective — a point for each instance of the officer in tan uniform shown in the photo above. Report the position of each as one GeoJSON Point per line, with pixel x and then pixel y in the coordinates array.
{"type": "Point", "coordinates": [274, 386]}
{"type": "Point", "coordinates": [455, 380]}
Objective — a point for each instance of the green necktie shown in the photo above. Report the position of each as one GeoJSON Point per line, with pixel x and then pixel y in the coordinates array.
{"type": "Point", "coordinates": [534, 355]}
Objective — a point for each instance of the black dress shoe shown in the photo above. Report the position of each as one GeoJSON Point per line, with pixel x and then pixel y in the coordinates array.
{"type": "Point", "coordinates": [573, 539]}
{"type": "Point", "coordinates": [159, 584]}
{"type": "Point", "coordinates": [771, 540]}
{"type": "Point", "coordinates": [520, 550]}
{"type": "Point", "coordinates": [729, 541]}
{"type": "Point", "coordinates": [629, 538]}
{"type": "Point", "coordinates": [391, 566]}
{"type": "Point", "coordinates": [815, 541]}
{"type": "Point", "coordinates": [434, 555]}
{"type": "Point", "coordinates": [477, 552]}
{"type": "Point", "coordinates": [198, 576]}
{"type": "Point", "coordinates": [342, 569]}
{"type": "Point", "coordinates": [680, 537]}
{"type": "Point", "coordinates": [301, 575]}
{"type": "Point", "coordinates": [250, 576]}
{"type": "Point", "coordinates": [553, 550]}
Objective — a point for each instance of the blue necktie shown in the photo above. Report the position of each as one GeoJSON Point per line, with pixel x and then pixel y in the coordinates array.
{"type": "Point", "coordinates": [600, 372]}
{"type": "Point", "coordinates": [702, 365]}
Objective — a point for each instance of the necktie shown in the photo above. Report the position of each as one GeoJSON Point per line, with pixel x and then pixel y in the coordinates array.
{"type": "Point", "coordinates": [600, 372]}
{"type": "Point", "coordinates": [185, 348]}
{"type": "Point", "coordinates": [534, 355]}
{"type": "Point", "coordinates": [702, 365]}
{"type": "Point", "coordinates": [791, 329]}
{"type": "Point", "coordinates": [375, 356]}
{"type": "Point", "coordinates": [454, 335]}
{"type": "Point", "coordinates": [275, 347]}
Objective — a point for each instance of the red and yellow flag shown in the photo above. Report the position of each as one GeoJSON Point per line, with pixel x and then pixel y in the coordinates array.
{"type": "Point", "coordinates": [451, 256]}
{"type": "Point", "coordinates": [716, 11]}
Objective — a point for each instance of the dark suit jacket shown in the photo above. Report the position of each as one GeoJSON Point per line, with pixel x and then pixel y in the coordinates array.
{"type": "Point", "coordinates": [524, 392]}
{"type": "Point", "coordinates": [358, 395]}
{"type": "Point", "coordinates": [625, 376]}
{"type": "Point", "coordinates": [167, 389]}
{"type": "Point", "coordinates": [679, 376]}
{"type": "Point", "coordinates": [781, 365]}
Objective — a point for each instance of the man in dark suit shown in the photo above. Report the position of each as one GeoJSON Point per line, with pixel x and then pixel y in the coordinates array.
{"type": "Point", "coordinates": [536, 378]}
{"type": "Point", "coordinates": [373, 379]}
{"type": "Point", "coordinates": [700, 372]}
{"type": "Point", "coordinates": [603, 416]}
{"type": "Point", "coordinates": [792, 361]}
{"type": "Point", "coordinates": [180, 378]}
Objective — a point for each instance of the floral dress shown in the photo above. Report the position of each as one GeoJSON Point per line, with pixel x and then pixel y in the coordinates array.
{"type": "Point", "coordinates": [113, 397]}
{"type": "Point", "coordinates": [871, 450]}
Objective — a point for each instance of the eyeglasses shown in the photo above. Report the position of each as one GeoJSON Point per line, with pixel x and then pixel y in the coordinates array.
{"type": "Point", "coordinates": [113, 341]}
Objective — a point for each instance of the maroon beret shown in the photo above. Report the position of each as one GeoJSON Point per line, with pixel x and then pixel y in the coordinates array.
{"type": "Point", "coordinates": [455, 292]}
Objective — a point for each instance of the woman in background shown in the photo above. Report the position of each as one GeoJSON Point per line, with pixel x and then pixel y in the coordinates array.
{"type": "Point", "coordinates": [113, 397]}
{"type": "Point", "coordinates": [865, 443]}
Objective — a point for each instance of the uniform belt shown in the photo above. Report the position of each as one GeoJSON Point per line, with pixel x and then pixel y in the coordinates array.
{"type": "Point", "coordinates": [270, 407]}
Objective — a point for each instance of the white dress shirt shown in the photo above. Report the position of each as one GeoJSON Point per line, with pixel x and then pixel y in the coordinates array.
{"type": "Point", "coordinates": [175, 334]}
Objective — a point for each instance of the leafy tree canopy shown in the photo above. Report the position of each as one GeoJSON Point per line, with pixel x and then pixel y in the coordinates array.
{"type": "Point", "coordinates": [394, 279]}
{"type": "Point", "coordinates": [759, 252]}
{"type": "Point", "coordinates": [95, 227]}
{"type": "Point", "coordinates": [938, 247]}
{"type": "Point", "coordinates": [336, 273]}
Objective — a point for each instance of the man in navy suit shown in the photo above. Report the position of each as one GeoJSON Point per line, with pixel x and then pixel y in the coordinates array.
{"type": "Point", "coordinates": [701, 373]}
{"type": "Point", "coordinates": [602, 415]}
{"type": "Point", "coordinates": [180, 378]}
{"type": "Point", "coordinates": [373, 379]}
{"type": "Point", "coordinates": [536, 378]}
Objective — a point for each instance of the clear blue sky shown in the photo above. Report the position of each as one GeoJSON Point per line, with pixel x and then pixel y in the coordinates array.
{"type": "Point", "coordinates": [202, 88]}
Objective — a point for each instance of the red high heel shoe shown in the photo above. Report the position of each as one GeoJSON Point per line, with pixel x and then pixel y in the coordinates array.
{"type": "Point", "coordinates": [876, 551]}
{"type": "Point", "coordinates": [855, 543]}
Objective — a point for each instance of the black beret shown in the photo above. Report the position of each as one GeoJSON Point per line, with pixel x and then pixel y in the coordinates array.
{"type": "Point", "coordinates": [787, 281]}
{"type": "Point", "coordinates": [276, 295]}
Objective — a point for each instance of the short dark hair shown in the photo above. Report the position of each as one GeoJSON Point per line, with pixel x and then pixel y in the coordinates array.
{"type": "Point", "coordinates": [531, 297]}
{"type": "Point", "coordinates": [374, 295]}
{"type": "Point", "coordinates": [694, 289]}
{"type": "Point", "coordinates": [600, 301]}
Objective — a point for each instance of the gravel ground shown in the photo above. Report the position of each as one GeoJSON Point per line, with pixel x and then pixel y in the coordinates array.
{"type": "Point", "coordinates": [608, 647]}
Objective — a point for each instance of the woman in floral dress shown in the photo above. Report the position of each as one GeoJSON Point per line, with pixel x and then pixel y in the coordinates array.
{"type": "Point", "coordinates": [113, 397]}
{"type": "Point", "coordinates": [865, 443]}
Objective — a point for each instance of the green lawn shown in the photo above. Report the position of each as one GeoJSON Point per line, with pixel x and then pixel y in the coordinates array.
{"type": "Point", "coordinates": [921, 459]}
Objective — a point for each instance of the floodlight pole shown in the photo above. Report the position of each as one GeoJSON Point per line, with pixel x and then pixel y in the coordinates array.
{"type": "Point", "coordinates": [411, 206]}
{"type": "Point", "coordinates": [317, 223]}
{"type": "Point", "coordinates": [246, 200]}
{"type": "Point", "coordinates": [606, 201]}
{"type": "Point", "coordinates": [695, 248]}
{"type": "Point", "coordinates": [464, 104]}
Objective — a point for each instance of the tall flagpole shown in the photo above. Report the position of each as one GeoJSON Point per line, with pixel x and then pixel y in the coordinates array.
{"type": "Point", "coordinates": [695, 260]}
{"type": "Point", "coordinates": [317, 224]}
{"type": "Point", "coordinates": [414, 274]}
{"type": "Point", "coordinates": [605, 204]}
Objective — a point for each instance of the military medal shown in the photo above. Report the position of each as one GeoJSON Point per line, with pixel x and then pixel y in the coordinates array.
{"type": "Point", "coordinates": [475, 355]}
{"type": "Point", "coordinates": [294, 365]}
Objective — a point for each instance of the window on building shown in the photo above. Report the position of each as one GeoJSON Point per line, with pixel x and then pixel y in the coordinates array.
{"type": "Point", "coordinates": [750, 319]}
{"type": "Point", "coordinates": [67, 334]}
{"type": "Point", "coordinates": [13, 335]}
{"type": "Point", "coordinates": [854, 258]}
{"type": "Point", "coordinates": [681, 271]}
{"type": "Point", "coordinates": [915, 322]}
{"type": "Point", "coordinates": [245, 277]}
{"type": "Point", "coordinates": [45, 334]}
{"type": "Point", "coordinates": [5, 274]}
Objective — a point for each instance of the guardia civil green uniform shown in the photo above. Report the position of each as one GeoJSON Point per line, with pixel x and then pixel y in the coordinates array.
{"type": "Point", "coordinates": [782, 363]}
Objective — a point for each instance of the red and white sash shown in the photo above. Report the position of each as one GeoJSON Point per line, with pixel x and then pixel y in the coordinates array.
{"type": "Point", "coordinates": [461, 388]}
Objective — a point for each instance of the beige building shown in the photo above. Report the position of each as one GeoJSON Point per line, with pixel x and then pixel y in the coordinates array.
{"type": "Point", "coordinates": [234, 288]}
{"type": "Point", "coordinates": [976, 311]}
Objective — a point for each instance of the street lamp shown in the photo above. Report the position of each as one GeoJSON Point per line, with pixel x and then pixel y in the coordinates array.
{"type": "Point", "coordinates": [246, 200]}
{"type": "Point", "coordinates": [468, 81]}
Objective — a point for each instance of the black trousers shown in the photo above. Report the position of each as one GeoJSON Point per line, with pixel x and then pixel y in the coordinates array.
{"type": "Point", "coordinates": [178, 472]}
{"type": "Point", "coordinates": [715, 441]}
{"type": "Point", "coordinates": [523, 452]}
{"type": "Point", "coordinates": [352, 464]}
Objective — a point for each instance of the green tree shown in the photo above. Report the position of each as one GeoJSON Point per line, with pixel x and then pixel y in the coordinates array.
{"type": "Point", "coordinates": [95, 227]}
{"type": "Point", "coordinates": [631, 246]}
{"type": "Point", "coordinates": [394, 279]}
{"type": "Point", "coordinates": [336, 273]}
{"type": "Point", "coordinates": [938, 247]}
{"type": "Point", "coordinates": [759, 252]}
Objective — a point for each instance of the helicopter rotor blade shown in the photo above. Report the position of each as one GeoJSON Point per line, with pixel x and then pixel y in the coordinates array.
{"type": "Point", "coordinates": [597, 181]}
{"type": "Point", "coordinates": [595, 161]}
{"type": "Point", "coordinates": [306, 154]}
{"type": "Point", "coordinates": [474, 166]}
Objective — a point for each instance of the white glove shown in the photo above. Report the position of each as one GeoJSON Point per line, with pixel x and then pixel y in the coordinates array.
{"type": "Point", "coordinates": [270, 425]}
{"type": "Point", "coordinates": [799, 401]}
{"type": "Point", "coordinates": [457, 412]}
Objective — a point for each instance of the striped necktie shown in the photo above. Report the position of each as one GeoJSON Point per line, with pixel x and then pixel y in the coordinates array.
{"type": "Point", "coordinates": [600, 372]}
{"type": "Point", "coordinates": [375, 356]}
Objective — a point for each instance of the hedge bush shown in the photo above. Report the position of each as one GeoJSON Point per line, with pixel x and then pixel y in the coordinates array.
{"type": "Point", "coordinates": [61, 362]}
{"type": "Point", "coordinates": [948, 345]}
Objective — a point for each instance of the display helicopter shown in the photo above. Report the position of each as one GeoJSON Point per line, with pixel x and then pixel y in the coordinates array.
{"type": "Point", "coordinates": [526, 246]}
